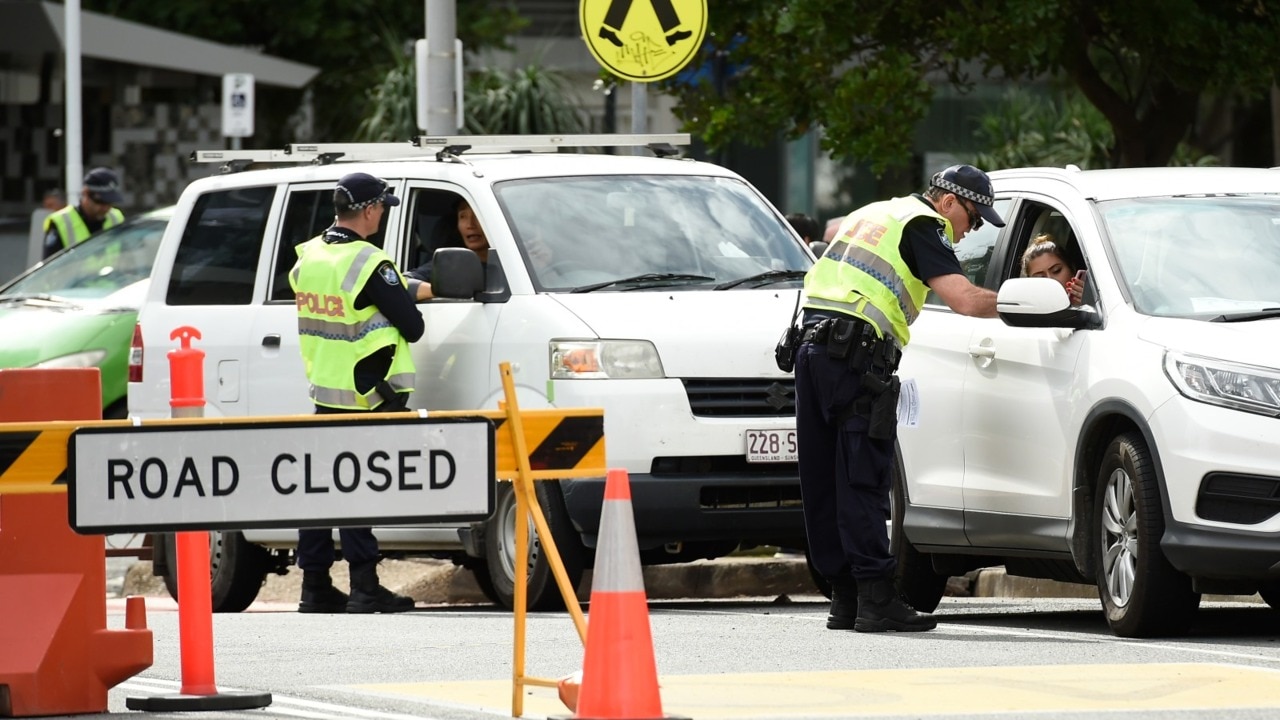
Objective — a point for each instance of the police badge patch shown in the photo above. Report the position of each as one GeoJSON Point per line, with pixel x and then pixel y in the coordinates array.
{"type": "Point", "coordinates": [389, 274]}
{"type": "Point", "coordinates": [946, 242]}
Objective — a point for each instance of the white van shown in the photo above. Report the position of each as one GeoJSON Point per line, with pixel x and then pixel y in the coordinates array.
{"type": "Point", "coordinates": [653, 287]}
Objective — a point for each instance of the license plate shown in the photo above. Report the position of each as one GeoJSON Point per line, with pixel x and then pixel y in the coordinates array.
{"type": "Point", "coordinates": [771, 446]}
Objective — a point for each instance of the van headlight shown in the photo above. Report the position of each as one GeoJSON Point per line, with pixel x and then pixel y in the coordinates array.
{"type": "Point", "coordinates": [1218, 382]}
{"type": "Point", "coordinates": [616, 359]}
{"type": "Point", "coordinates": [86, 359]}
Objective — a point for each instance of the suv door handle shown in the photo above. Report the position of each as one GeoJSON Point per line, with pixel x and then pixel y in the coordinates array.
{"type": "Point", "coordinates": [271, 341]}
{"type": "Point", "coordinates": [983, 351]}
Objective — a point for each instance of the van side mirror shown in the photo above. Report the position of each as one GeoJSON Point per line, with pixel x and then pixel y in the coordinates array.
{"type": "Point", "coordinates": [456, 273]}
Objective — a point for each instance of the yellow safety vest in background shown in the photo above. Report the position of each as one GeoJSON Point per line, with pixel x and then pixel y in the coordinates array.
{"type": "Point", "coordinates": [332, 334]}
{"type": "Point", "coordinates": [71, 227]}
{"type": "Point", "coordinates": [863, 274]}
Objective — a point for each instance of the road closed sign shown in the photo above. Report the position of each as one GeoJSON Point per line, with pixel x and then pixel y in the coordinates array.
{"type": "Point", "coordinates": [643, 40]}
{"type": "Point", "coordinates": [282, 474]}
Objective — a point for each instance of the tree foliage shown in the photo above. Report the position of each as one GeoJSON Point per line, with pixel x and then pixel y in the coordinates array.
{"type": "Point", "coordinates": [865, 69]}
{"type": "Point", "coordinates": [345, 39]}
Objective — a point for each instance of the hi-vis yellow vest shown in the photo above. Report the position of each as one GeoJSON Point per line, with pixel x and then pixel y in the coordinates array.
{"type": "Point", "coordinates": [71, 227]}
{"type": "Point", "coordinates": [332, 334]}
{"type": "Point", "coordinates": [862, 273]}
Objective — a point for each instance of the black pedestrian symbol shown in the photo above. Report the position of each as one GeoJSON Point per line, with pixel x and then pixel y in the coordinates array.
{"type": "Point", "coordinates": [667, 16]}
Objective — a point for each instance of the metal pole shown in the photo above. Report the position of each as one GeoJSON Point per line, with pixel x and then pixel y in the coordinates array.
{"type": "Point", "coordinates": [639, 114]}
{"type": "Point", "coordinates": [75, 148]}
{"type": "Point", "coordinates": [442, 31]}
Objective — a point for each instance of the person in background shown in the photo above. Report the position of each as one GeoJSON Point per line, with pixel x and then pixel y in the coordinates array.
{"type": "Point", "coordinates": [355, 322]}
{"type": "Point", "coordinates": [809, 229]}
{"type": "Point", "coordinates": [467, 226]}
{"type": "Point", "coordinates": [99, 195]}
{"type": "Point", "coordinates": [1043, 258]}
{"type": "Point", "coordinates": [54, 200]}
{"type": "Point", "coordinates": [863, 293]}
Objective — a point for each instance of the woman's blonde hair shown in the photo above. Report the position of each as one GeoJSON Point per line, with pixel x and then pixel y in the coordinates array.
{"type": "Point", "coordinates": [1042, 244]}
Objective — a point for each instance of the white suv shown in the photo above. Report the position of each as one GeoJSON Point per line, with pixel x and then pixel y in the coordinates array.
{"type": "Point", "coordinates": [652, 287]}
{"type": "Point", "coordinates": [1133, 442]}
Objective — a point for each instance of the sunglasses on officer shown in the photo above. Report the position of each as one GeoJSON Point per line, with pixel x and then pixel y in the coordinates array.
{"type": "Point", "coordinates": [975, 220]}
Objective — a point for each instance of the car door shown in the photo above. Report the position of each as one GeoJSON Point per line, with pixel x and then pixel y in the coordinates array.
{"type": "Point", "coordinates": [277, 381]}
{"type": "Point", "coordinates": [1018, 391]}
{"type": "Point", "coordinates": [935, 362]}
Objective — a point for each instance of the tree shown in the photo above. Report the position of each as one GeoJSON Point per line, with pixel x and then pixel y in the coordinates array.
{"type": "Point", "coordinates": [864, 69]}
{"type": "Point", "coordinates": [344, 39]}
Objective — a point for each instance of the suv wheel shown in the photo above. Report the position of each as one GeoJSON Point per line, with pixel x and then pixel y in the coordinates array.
{"type": "Point", "coordinates": [919, 584]}
{"type": "Point", "coordinates": [500, 548]}
{"type": "Point", "coordinates": [1142, 594]}
{"type": "Point", "coordinates": [237, 569]}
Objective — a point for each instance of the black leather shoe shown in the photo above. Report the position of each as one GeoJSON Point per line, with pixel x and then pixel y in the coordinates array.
{"type": "Point", "coordinates": [322, 597]}
{"type": "Point", "coordinates": [880, 609]}
{"type": "Point", "coordinates": [379, 600]}
{"type": "Point", "coordinates": [844, 607]}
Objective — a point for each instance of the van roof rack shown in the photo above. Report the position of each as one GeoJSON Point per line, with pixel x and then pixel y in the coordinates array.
{"type": "Point", "coordinates": [439, 147]}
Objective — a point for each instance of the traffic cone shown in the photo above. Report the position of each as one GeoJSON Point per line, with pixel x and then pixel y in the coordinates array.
{"type": "Point", "coordinates": [619, 675]}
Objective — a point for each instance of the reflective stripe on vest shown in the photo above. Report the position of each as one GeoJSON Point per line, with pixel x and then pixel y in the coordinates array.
{"type": "Point", "coordinates": [72, 227]}
{"type": "Point", "coordinates": [333, 335]}
{"type": "Point", "coordinates": [863, 274]}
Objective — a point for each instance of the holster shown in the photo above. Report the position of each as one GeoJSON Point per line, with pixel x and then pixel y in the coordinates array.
{"type": "Point", "coordinates": [883, 419]}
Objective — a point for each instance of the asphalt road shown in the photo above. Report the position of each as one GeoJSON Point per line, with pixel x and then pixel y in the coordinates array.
{"type": "Point", "coordinates": [757, 658]}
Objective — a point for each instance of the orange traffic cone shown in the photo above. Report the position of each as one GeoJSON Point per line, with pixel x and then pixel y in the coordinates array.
{"type": "Point", "coordinates": [619, 675]}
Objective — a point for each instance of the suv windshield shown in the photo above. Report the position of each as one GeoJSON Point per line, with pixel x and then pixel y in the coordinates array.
{"type": "Point", "coordinates": [632, 232]}
{"type": "Point", "coordinates": [1204, 257]}
{"type": "Point", "coordinates": [105, 264]}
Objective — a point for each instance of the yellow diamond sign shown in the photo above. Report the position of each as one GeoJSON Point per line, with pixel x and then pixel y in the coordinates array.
{"type": "Point", "coordinates": [643, 40]}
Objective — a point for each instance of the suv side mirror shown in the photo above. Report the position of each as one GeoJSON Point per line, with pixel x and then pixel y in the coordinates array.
{"type": "Point", "coordinates": [818, 248]}
{"type": "Point", "coordinates": [1041, 302]}
{"type": "Point", "coordinates": [456, 273]}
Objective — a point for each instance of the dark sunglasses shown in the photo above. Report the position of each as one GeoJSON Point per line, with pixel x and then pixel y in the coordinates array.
{"type": "Point", "coordinates": [975, 220]}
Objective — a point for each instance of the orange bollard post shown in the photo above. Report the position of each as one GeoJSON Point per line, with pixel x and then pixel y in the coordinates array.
{"type": "Point", "coordinates": [57, 656]}
{"type": "Point", "coordinates": [195, 600]}
{"type": "Point", "coordinates": [619, 673]}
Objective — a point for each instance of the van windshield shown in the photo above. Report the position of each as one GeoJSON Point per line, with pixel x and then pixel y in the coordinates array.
{"type": "Point", "coordinates": [1204, 257]}
{"type": "Point", "coordinates": [632, 232]}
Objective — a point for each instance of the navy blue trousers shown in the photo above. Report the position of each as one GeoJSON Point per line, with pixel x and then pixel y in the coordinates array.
{"type": "Point", "coordinates": [315, 545]}
{"type": "Point", "coordinates": [844, 475]}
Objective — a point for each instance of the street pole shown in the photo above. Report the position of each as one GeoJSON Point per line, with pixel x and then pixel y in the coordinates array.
{"type": "Point", "coordinates": [72, 136]}
{"type": "Point", "coordinates": [442, 31]}
{"type": "Point", "coordinates": [639, 113]}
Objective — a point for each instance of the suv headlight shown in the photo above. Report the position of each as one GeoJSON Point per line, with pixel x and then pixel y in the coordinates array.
{"type": "Point", "coordinates": [1218, 382]}
{"type": "Point", "coordinates": [598, 359]}
{"type": "Point", "coordinates": [88, 358]}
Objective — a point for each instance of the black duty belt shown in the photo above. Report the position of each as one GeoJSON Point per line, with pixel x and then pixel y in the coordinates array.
{"type": "Point", "coordinates": [857, 340]}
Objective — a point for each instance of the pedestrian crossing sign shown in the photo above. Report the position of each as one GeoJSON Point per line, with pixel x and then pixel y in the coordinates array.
{"type": "Point", "coordinates": [643, 40]}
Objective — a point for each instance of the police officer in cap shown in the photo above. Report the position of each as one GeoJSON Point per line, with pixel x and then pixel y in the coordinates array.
{"type": "Point", "coordinates": [99, 195]}
{"type": "Point", "coordinates": [355, 322]}
{"type": "Point", "coordinates": [862, 296]}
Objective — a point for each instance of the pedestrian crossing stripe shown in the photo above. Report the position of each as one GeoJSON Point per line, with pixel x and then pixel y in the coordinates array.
{"type": "Point", "coordinates": [563, 443]}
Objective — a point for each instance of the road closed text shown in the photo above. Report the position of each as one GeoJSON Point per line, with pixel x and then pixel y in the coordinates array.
{"type": "Point", "coordinates": [378, 471]}
{"type": "Point", "coordinates": [264, 476]}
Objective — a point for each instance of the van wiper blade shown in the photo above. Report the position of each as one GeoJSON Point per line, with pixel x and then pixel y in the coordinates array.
{"type": "Point", "coordinates": [764, 278]}
{"type": "Point", "coordinates": [645, 280]}
{"type": "Point", "coordinates": [1262, 314]}
{"type": "Point", "coordinates": [36, 299]}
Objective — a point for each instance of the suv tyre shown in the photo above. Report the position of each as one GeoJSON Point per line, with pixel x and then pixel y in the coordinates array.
{"type": "Point", "coordinates": [1142, 594]}
{"type": "Point", "coordinates": [237, 569]}
{"type": "Point", "coordinates": [500, 548]}
{"type": "Point", "coordinates": [917, 582]}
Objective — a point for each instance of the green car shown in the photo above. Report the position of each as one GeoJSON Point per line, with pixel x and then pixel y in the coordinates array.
{"type": "Point", "coordinates": [79, 307]}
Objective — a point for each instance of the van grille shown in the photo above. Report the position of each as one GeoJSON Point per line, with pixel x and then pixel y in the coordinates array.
{"type": "Point", "coordinates": [746, 397]}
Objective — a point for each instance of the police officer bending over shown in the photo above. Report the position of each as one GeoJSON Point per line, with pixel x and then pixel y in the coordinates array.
{"type": "Point", "coordinates": [862, 295]}
{"type": "Point", "coordinates": [355, 322]}
{"type": "Point", "coordinates": [97, 211]}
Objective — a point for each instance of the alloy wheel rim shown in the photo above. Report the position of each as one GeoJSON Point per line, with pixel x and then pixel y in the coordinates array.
{"type": "Point", "coordinates": [1119, 537]}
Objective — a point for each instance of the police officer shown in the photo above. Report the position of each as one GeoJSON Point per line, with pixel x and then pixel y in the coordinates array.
{"type": "Point", "coordinates": [862, 295]}
{"type": "Point", "coordinates": [355, 322]}
{"type": "Point", "coordinates": [99, 195]}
